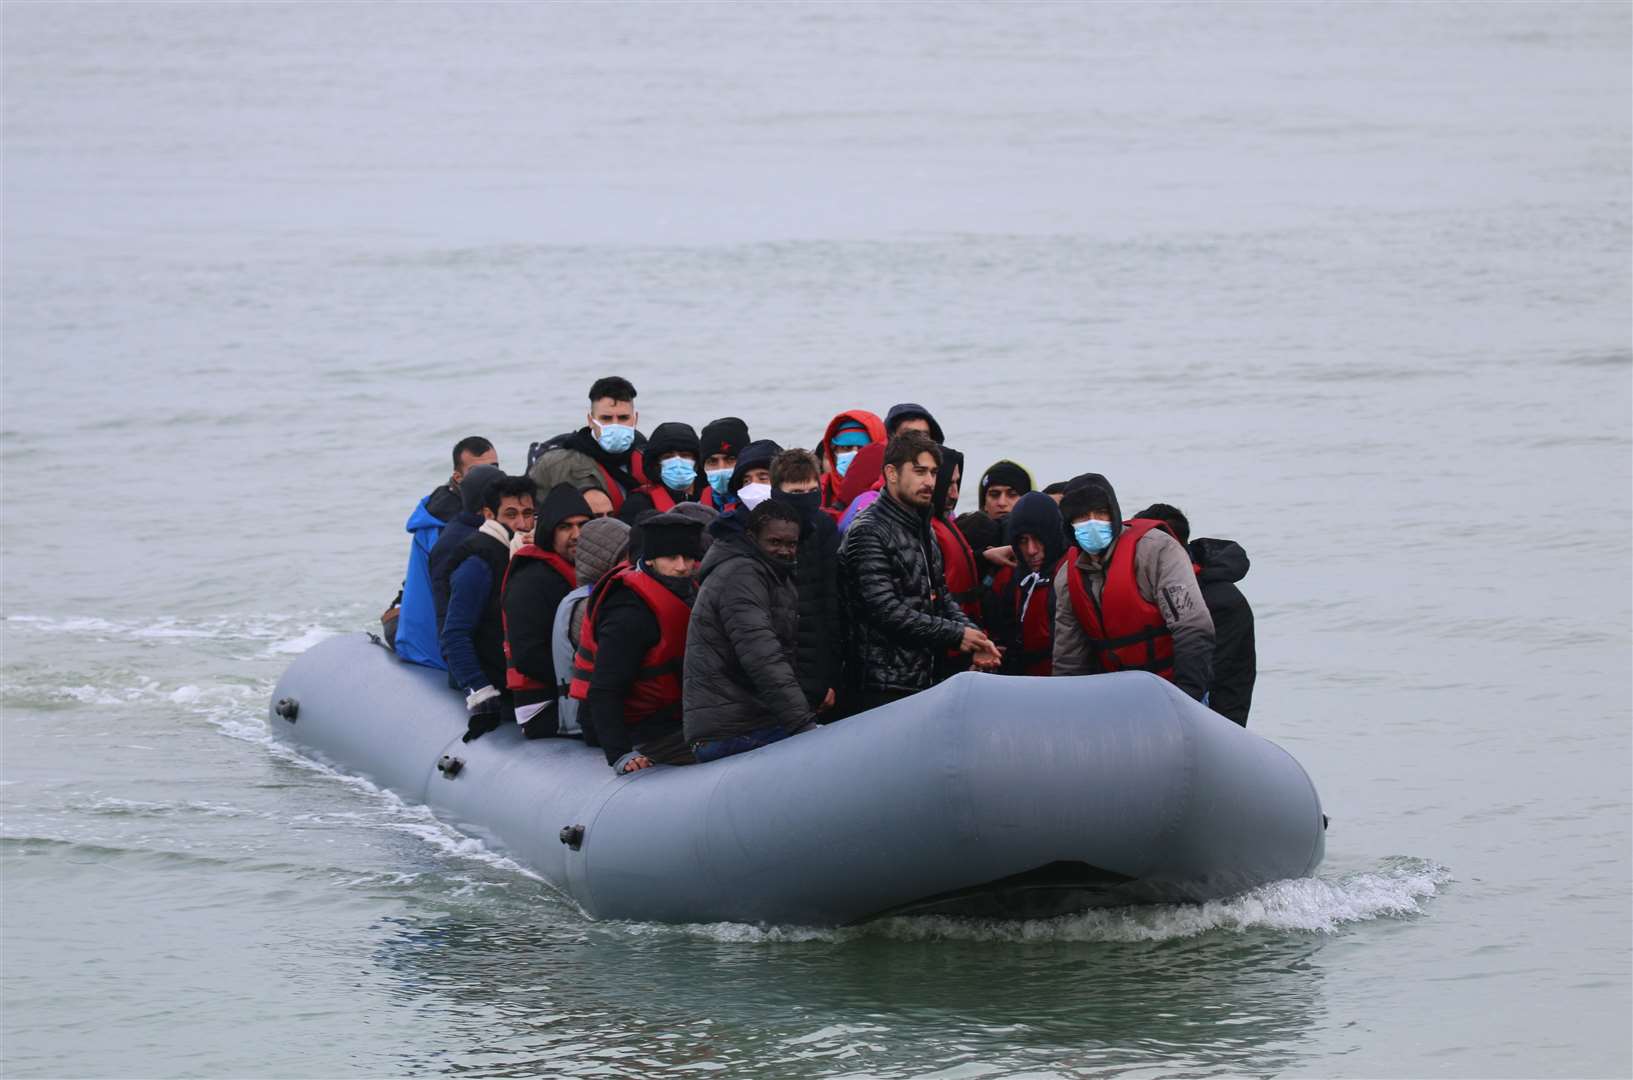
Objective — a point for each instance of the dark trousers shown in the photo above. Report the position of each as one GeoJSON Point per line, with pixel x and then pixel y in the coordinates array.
{"type": "Point", "coordinates": [727, 745]}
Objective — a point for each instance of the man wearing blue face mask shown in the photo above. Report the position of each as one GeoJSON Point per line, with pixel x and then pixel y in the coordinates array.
{"type": "Point", "coordinates": [605, 454]}
{"type": "Point", "coordinates": [722, 441]}
{"type": "Point", "coordinates": [670, 457]}
{"type": "Point", "coordinates": [1128, 599]}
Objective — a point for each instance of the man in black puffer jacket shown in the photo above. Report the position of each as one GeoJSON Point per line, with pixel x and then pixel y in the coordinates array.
{"type": "Point", "coordinates": [819, 649]}
{"type": "Point", "coordinates": [740, 689]}
{"type": "Point", "coordinates": [902, 616]}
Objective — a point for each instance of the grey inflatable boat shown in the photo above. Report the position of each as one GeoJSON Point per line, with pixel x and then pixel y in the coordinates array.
{"type": "Point", "coordinates": [987, 795]}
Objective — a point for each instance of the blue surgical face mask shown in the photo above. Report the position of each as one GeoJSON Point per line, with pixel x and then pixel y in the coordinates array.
{"type": "Point", "coordinates": [616, 438]}
{"type": "Point", "coordinates": [843, 459]}
{"type": "Point", "coordinates": [678, 473]}
{"type": "Point", "coordinates": [1093, 536]}
{"type": "Point", "coordinates": [718, 479]}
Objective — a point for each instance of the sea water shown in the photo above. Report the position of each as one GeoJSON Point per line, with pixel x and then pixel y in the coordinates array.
{"type": "Point", "coordinates": [1349, 284]}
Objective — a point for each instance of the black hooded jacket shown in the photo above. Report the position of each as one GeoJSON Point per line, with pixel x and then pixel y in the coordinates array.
{"type": "Point", "coordinates": [1035, 514]}
{"type": "Point", "coordinates": [1235, 659]}
{"type": "Point", "coordinates": [901, 616]}
{"type": "Point", "coordinates": [819, 648]}
{"type": "Point", "coordinates": [740, 645]}
{"type": "Point", "coordinates": [534, 589]}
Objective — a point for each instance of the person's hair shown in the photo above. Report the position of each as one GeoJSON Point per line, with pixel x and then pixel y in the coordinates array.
{"type": "Point", "coordinates": [508, 487]}
{"type": "Point", "coordinates": [474, 445]}
{"type": "Point", "coordinates": [979, 530]}
{"type": "Point", "coordinates": [611, 386]}
{"type": "Point", "coordinates": [908, 445]}
{"type": "Point", "coordinates": [768, 511]}
{"type": "Point", "coordinates": [793, 466]}
{"type": "Point", "coordinates": [1173, 516]}
{"type": "Point", "coordinates": [1057, 488]}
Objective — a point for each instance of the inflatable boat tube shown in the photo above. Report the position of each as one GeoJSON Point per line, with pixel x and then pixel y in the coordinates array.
{"type": "Point", "coordinates": [988, 795]}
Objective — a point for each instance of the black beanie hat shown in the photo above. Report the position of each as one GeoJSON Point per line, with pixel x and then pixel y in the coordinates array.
{"type": "Point", "coordinates": [728, 435]}
{"type": "Point", "coordinates": [671, 534]}
{"type": "Point", "coordinates": [1008, 474]}
{"type": "Point", "coordinates": [756, 455]}
{"type": "Point", "coordinates": [560, 503]}
{"type": "Point", "coordinates": [668, 438]}
{"type": "Point", "coordinates": [475, 485]}
{"type": "Point", "coordinates": [909, 410]}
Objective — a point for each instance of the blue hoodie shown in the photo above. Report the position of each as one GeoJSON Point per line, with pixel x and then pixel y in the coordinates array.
{"type": "Point", "coordinates": [417, 622]}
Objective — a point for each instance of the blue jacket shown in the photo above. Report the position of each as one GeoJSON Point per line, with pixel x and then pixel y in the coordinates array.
{"type": "Point", "coordinates": [417, 621]}
{"type": "Point", "coordinates": [469, 590]}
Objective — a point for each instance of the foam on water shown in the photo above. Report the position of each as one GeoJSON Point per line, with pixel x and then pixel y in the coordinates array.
{"type": "Point", "coordinates": [1397, 888]}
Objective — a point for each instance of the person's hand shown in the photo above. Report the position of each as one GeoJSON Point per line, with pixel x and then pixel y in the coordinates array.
{"type": "Point", "coordinates": [975, 641]}
{"type": "Point", "coordinates": [1000, 556]}
{"type": "Point", "coordinates": [983, 662]}
{"type": "Point", "coordinates": [520, 540]}
{"type": "Point", "coordinates": [483, 713]}
{"type": "Point", "coordinates": [639, 761]}
{"type": "Point", "coordinates": [827, 701]}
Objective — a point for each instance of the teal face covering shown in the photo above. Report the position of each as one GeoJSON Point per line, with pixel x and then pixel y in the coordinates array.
{"type": "Point", "coordinates": [1093, 536]}
{"type": "Point", "coordinates": [616, 438]}
{"type": "Point", "coordinates": [718, 479]}
{"type": "Point", "coordinates": [843, 459]}
{"type": "Point", "coordinates": [678, 473]}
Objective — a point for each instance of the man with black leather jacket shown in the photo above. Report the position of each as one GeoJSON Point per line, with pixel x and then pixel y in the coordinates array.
{"type": "Point", "coordinates": [902, 616]}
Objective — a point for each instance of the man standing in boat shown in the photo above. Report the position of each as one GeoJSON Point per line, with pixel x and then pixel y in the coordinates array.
{"type": "Point", "coordinates": [632, 648]}
{"type": "Point", "coordinates": [605, 454]}
{"type": "Point", "coordinates": [903, 616]}
{"type": "Point", "coordinates": [1128, 600]}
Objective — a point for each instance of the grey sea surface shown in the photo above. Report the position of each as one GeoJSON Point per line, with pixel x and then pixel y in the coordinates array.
{"type": "Point", "coordinates": [1348, 283]}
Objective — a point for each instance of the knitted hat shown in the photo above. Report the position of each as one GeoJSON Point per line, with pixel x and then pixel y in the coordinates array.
{"type": "Point", "coordinates": [728, 436]}
{"type": "Point", "coordinates": [1008, 474]}
{"type": "Point", "coordinates": [851, 433]}
{"type": "Point", "coordinates": [980, 531]}
{"type": "Point", "coordinates": [1088, 492]}
{"type": "Point", "coordinates": [671, 534]}
{"type": "Point", "coordinates": [603, 543]}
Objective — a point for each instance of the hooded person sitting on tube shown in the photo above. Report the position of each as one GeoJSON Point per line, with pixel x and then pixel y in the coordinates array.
{"type": "Point", "coordinates": [632, 647]}
{"type": "Point", "coordinates": [1126, 597]}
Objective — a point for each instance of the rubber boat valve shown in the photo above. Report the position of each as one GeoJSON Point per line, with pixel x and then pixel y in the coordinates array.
{"type": "Point", "coordinates": [288, 708]}
{"type": "Point", "coordinates": [573, 836]}
{"type": "Point", "coordinates": [449, 766]}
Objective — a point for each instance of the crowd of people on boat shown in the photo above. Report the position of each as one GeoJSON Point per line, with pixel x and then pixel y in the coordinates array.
{"type": "Point", "coordinates": [681, 596]}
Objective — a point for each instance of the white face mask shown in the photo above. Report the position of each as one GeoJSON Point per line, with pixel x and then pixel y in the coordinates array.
{"type": "Point", "coordinates": [752, 495]}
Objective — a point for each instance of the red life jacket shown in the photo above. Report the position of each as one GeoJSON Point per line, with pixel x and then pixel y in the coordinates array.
{"type": "Point", "coordinates": [959, 566]}
{"type": "Point", "coordinates": [528, 690]}
{"type": "Point", "coordinates": [1035, 616]}
{"type": "Point", "coordinates": [615, 491]}
{"type": "Point", "coordinates": [1126, 631]}
{"type": "Point", "coordinates": [662, 501]}
{"type": "Point", "coordinates": [657, 685]}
